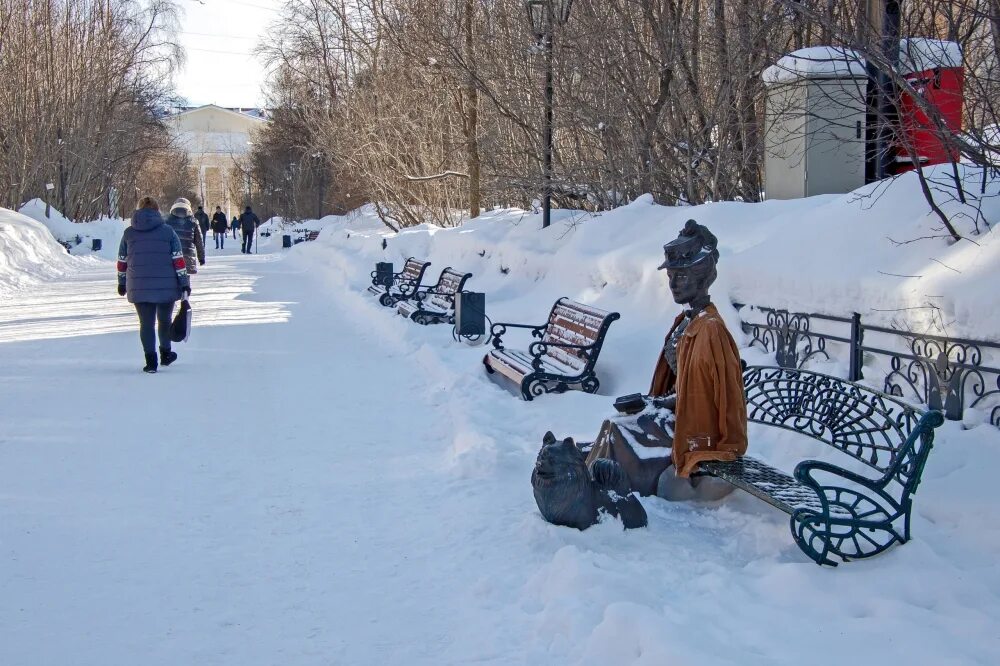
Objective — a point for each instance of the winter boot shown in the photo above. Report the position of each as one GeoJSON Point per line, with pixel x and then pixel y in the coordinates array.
{"type": "Point", "coordinates": [167, 357]}
{"type": "Point", "coordinates": [150, 363]}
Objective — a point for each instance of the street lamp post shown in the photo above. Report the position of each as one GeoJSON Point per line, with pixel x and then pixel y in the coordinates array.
{"type": "Point", "coordinates": [543, 16]}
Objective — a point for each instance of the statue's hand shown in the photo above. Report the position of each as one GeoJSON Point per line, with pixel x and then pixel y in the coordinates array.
{"type": "Point", "coordinates": [663, 402]}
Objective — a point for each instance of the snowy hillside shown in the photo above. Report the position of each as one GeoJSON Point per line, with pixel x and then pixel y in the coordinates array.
{"type": "Point", "coordinates": [28, 253]}
{"type": "Point", "coordinates": [108, 230]}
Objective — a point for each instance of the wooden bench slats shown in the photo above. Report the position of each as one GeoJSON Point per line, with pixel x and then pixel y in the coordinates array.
{"type": "Point", "coordinates": [404, 284]}
{"type": "Point", "coordinates": [521, 363]}
{"type": "Point", "coordinates": [437, 303]}
{"type": "Point", "coordinates": [569, 323]}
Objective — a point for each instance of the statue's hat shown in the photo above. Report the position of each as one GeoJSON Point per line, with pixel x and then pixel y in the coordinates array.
{"type": "Point", "coordinates": [693, 244]}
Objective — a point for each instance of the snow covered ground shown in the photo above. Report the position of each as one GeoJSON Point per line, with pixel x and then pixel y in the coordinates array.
{"type": "Point", "coordinates": [79, 236]}
{"type": "Point", "coordinates": [318, 481]}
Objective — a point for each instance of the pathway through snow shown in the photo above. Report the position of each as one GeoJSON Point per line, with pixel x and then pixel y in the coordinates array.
{"type": "Point", "coordinates": [311, 484]}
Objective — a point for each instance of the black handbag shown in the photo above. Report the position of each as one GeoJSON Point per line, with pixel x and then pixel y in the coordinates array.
{"type": "Point", "coordinates": [180, 327]}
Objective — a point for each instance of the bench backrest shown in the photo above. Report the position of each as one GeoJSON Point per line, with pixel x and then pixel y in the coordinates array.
{"type": "Point", "coordinates": [877, 429]}
{"type": "Point", "coordinates": [574, 323]}
{"type": "Point", "coordinates": [449, 284]}
{"type": "Point", "coordinates": [413, 270]}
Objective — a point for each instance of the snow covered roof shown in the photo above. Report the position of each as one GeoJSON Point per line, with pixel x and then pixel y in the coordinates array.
{"type": "Point", "coordinates": [816, 62]}
{"type": "Point", "coordinates": [916, 54]}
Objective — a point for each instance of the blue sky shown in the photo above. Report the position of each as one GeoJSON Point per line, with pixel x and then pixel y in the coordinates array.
{"type": "Point", "coordinates": [221, 39]}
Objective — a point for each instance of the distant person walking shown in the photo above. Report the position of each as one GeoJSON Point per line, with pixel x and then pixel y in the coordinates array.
{"type": "Point", "coordinates": [187, 230]}
{"type": "Point", "coordinates": [220, 227]}
{"type": "Point", "coordinates": [236, 225]}
{"type": "Point", "coordinates": [203, 223]}
{"type": "Point", "coordinates": [152, 274]}
{"type": "Point", "coordinates": [248, 222]}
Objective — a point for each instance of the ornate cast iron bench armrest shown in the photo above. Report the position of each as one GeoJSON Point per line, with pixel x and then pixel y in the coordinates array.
{"type": "Point", "coordinates": [498, 329]}
{"type": "Point", "coordinates": [407, 288]}
{"type": "Point", "coordinates": [854, 523]}
{"type": "Point", "coordinates": [430, 291]}
{"type": "Point", "coordinates": [538, 349]}
{"type": "Point", "coordinates": [804, 474]}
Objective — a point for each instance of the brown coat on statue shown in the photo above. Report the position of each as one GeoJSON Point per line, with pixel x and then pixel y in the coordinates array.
{"type": "Point", "coordinates": [709, 389]}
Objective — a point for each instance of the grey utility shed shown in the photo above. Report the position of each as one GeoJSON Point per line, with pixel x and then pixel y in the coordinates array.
{"type": "Point", "coordinates": [815, 133]}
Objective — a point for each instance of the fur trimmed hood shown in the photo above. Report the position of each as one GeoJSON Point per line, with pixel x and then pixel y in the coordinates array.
{"type": "Point", "coordinates": [181, 208]}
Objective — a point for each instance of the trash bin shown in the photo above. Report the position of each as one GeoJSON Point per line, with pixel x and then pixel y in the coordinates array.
{"type": "Point", "coordinates": [95, 244]}
{"type": "Point", "coordinates": [470, 314]}
{"type": "Point", "coordinates": [286, 241]}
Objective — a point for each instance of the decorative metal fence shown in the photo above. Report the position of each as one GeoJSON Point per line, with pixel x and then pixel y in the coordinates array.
{"type": "Point", "coordinates": [949, 374]}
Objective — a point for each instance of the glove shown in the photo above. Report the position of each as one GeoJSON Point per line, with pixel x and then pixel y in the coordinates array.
{"type": "Point", "coordinates": [121, 290]}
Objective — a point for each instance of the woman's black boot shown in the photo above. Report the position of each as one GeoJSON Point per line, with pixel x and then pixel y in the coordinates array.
{"type": "Point", "coordinates": [167, 357]}
{"type": "Point", "coordinates": [150, 363]}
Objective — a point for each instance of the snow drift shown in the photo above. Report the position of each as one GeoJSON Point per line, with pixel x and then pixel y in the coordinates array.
{"type": "Point", "coordinates": [28, 253]}
{"type": "Point", "coordinates": [79, 235]}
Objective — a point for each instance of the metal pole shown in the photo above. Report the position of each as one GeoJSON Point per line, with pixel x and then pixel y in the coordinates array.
{"type": "Point", "coordinates": [882, 24]}
{"type": "Point", "coordinates": [62, 173]}
{"type": "Point", "coordinates": [547, 164]}
{"type": "Point", "coordinates": [321, 167]}
{"type": "Point", "coordinates": [887, 111]}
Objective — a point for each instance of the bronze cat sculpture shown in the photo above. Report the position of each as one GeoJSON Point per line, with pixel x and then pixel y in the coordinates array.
{"type": "Point", "coordinates": [569, 494]}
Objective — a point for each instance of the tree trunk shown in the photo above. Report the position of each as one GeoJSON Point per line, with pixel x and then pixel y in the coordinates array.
{"type": "Point", "coordinates": [472, 116]}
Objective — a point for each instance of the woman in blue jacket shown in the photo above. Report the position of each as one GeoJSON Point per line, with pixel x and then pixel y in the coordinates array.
{"type": "Point", "coordinates": [153, 274]}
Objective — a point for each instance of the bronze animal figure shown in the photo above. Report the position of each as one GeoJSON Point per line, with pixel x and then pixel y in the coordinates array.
{"type": "Point", "coordinates": [570, 494]}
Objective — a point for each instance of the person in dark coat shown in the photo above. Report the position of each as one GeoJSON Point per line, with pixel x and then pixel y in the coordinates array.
{"type": "Point", "coordinates": [152, 274]}
{"type": "Point", "coordinates": [248, 222]}
{"type": "Point", "coordinates": [202, 219]}
{"type": "Point", "coordinates": [236, 225]}
{"type": "Point", "coordinates": [220, 227]}
{"type": "Point", "coordinates": [182, 222]}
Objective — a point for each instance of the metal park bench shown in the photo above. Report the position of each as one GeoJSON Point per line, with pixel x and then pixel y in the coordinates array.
{"type": "Point", "coordinates": [436, 304]}
{"type": "Point", "coordinates": [834, 511]}
{"type": "Point", "coordinates": [399, 286]}
{"type": "Point", "coordinates": [564, 356]}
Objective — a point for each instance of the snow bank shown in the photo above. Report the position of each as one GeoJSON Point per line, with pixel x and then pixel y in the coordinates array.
{"type": "Point", "coordinates": [109, 230]}
{"type": "Point", "coordinates": [28, 253]}
{"type": "Point", "coordinates": [877, 251]}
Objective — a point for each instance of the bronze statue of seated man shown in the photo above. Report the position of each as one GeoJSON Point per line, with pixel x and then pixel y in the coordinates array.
{"type": "Point", "coordinates": [695, 409]}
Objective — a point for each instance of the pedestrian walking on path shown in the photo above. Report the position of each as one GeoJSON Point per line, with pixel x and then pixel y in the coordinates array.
{"type": "Point", "coordinates": [236, 225]}
{"type": "Point", "coordinates": [152, 274]}
{"type": "Point", "coordinates": [202, 218]}
{"type": "Point", "coordinates": [248, 222]}
{"type": "Point", "coordinates": [220, 227]}
{"type": "Point", "coordinates": [187, 230]}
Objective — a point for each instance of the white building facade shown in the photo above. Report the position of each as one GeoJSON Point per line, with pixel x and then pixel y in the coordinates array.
{"type": "Point", "coordinates": [217, 139]}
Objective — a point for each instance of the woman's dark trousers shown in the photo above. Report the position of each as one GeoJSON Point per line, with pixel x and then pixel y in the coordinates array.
{"type": "Point", "coordinates": [158, 315]}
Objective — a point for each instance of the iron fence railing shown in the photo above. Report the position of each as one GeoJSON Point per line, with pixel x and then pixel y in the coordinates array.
{"type": "Point", "coordinates": [949, 374]}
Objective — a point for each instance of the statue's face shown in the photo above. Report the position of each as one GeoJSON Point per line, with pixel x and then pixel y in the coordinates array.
{"type": "Point", "coordinates": [686, 284]}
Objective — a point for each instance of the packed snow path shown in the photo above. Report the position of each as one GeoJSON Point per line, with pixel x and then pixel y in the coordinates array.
{"type": "Point", "coordinates": [317, 482]}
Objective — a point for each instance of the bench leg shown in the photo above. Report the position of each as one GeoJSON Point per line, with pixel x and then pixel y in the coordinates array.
{"type": "Point", "coordinates": [821, 538]}
{"type": "Point", "coordinates": [531, 387]}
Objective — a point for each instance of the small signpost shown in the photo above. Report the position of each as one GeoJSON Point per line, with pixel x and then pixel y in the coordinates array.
{"type": "Point", "coordinates": [48, 188]}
